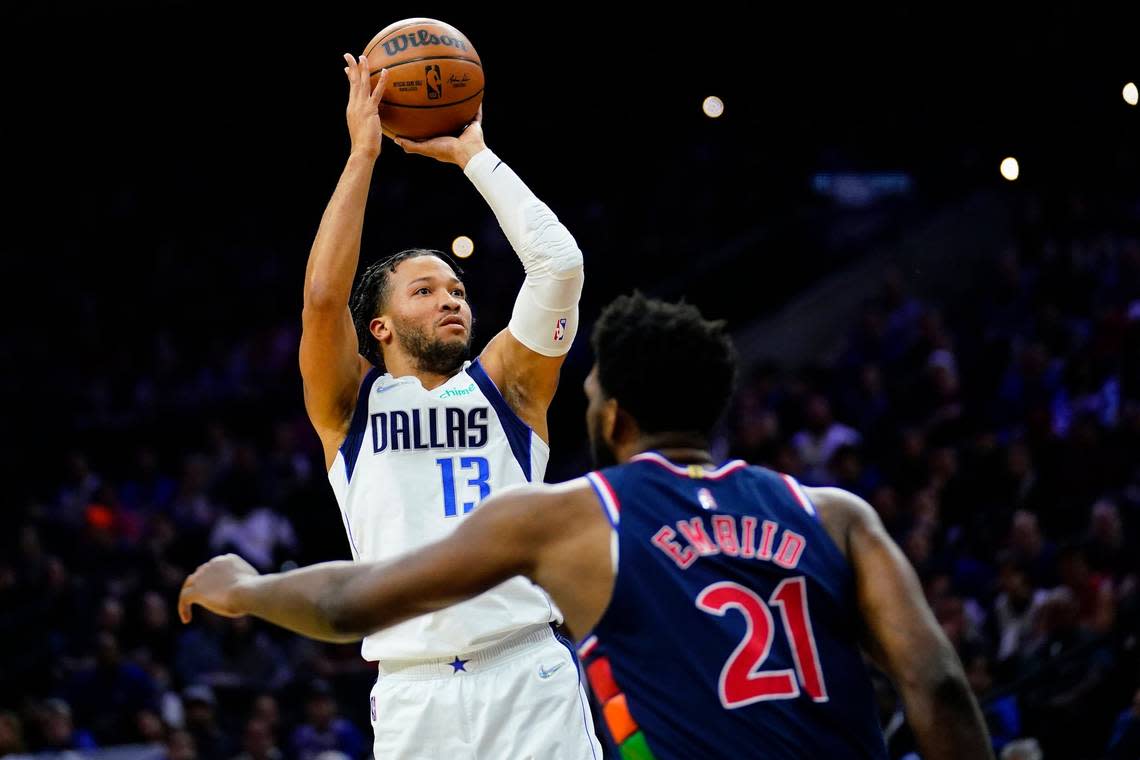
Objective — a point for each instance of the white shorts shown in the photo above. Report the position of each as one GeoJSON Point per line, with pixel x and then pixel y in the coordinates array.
{"type": "Point", "coordinates": [519, 699]}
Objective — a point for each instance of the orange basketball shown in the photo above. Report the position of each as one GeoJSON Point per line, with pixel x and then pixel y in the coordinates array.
{"type": "Point", "coordinates": [436, 80]}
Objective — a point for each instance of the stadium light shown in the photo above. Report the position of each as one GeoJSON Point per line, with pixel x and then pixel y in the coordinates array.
{"type": "Point", "coordinates": [1009, 168]}
{"type": "Point", "coordinates": [1130, 93]}
{"type": "Point", "coordinates": [713, 107]}
{"type": "Point", "coordinates": [462, 246]}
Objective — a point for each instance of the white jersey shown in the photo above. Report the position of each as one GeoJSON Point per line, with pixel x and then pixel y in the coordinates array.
{"type": "Point", "coordinates": [413, 465]}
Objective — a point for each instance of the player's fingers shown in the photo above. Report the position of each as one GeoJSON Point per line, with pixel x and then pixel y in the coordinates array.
{"type": "Point", "coordinates": [414, 146]}
{"type": "Point", "coordinates": [479, 116]}
{"type": "Point", "coordinates": [381, 85]}
{"type": "Point", "coordinates": [184, 603]}
{"type": "Point", "coordinates": [363, 73]}
{"type": "Point", "coordinates": [431, 147]}
{"type": "Point", "coordinates": [350, 71]}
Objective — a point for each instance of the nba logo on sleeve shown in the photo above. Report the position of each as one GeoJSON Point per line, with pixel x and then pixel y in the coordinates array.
{"type": "Point", "coordinates": [560, 329]}
{"type": "Point", "coordinates": [372, 705]}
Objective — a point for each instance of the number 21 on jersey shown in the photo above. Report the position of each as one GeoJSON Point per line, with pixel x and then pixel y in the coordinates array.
{"type": "Point", "coordinates": [741, 681]}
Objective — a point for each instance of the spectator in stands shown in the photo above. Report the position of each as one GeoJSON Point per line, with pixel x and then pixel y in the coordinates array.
{"type": "Point", "coordinates": [1105, 546]}
{"type": "Point", "coordinates": [323, 730]}
{"type": "Point", "coordinates": [1032, 550]}
{"type": "Point", "coordinates": [1003, 717]}
{"type": "Point", "coordinates": [265, 708]}
{"type": "Point", "coordinates": [1070, 668]}
{"type": "Point", "coordinates": [1094, 592]}
{"type": "Point", "coordinates": [57, 731]}
{"type": "Point", "coordinates": [202, 723]}
{"type": "Point", "coordinates": [1015, 609]}
{"type": "Point", "coordinates": [231, 653]}
{"type": "Point", "coordinates": [821, 437]}
{"type": "Point", "coordinates": [258, 742]}
{"type": "Point", "coordinates": [108, 695]}
{"type": "Point", "coordinates": [180, 745]}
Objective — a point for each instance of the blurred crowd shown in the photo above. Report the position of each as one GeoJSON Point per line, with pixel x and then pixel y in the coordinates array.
{"type": "Point", "coordinates": [998, 438]}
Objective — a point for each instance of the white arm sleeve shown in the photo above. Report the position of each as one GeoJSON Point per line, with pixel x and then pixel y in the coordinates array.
{"type": "Point", "coordinates": [545, 317]}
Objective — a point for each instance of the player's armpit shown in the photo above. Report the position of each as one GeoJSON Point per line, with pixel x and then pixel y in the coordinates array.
{"type": "Point", "coordinates": [527, 380]}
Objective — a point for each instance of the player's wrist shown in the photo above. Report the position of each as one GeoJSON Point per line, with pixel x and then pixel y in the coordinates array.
{"type": "Point", "coordinates": [245, 595]}
{"type": "Point", "coordinates": [364, 153]}
{"type": "Point", "coordinates": [479, 161]}
{"type": "Point", "coordinates": [465, 153]}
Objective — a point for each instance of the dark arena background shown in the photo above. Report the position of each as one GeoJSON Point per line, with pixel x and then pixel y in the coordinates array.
{"type": "Point", "coordinates": [959, 348]}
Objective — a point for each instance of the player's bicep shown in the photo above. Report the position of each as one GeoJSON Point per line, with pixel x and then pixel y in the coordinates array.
{"type": "Point", "coordinates": [905, 635]}
{"type": "Point", "coordinates": [331, 367]}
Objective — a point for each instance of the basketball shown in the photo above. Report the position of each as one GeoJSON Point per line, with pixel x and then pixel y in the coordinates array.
{"type": "Point", "coordinates": [435, 83]}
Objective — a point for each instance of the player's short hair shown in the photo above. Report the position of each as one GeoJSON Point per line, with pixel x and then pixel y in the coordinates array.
{"type": "Point", "coordinates": [370, 297]}
{"type": "Point", "coordinates": [670, 368]}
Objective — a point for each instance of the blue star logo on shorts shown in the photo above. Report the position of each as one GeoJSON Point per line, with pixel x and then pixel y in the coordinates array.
{"type": "Point", "coordinates": [458, 664]}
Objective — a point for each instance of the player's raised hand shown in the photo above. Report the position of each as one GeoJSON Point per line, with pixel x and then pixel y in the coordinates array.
{"type": "Point", "coordinates": [363, 111]}
{"type": "Point", "coordinates": [450, 150]}
{"type": "Point", "coordinates": [214, 586]}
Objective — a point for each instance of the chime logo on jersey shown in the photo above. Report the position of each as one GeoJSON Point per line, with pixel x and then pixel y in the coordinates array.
{"type": "Point", "coordinates": [560, 329]}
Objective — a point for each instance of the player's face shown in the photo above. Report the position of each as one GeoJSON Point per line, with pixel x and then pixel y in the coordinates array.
{"type": "Point", "coordinates": [429, 314]}
{"type": "Point", "coordinates": [600, 416]}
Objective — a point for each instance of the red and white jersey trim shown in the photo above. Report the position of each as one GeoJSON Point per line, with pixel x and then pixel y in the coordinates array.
{"type": "Point", "coordinates": [725, 469]}
{"type": "Point", "coordinates": [799, 493]}
{"type": "Point", "coordinates": [607, 496]}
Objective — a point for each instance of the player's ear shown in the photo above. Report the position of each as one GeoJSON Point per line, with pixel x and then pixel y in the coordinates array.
{"type": "Point", "coordinates": [615, 423]}
{"type": "Point", "coordinates": [381, 329]}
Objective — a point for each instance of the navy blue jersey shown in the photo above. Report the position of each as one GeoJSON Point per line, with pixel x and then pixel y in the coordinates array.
{"type": "Point", "coordinates": [733, 628]}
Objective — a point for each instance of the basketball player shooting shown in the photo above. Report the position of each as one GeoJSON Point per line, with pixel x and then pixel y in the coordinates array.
{"type": "Point", "coordinates": [673, 573]}
{"type": "Point", "coordinates": [415, 436]}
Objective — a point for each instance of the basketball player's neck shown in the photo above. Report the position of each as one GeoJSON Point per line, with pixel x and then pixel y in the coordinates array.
{"type": "Point", "coordinates": [397, 364]}
{"type": "Point", "coordinates": [682, 448]}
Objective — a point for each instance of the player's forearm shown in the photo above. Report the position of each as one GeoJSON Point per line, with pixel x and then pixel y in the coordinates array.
{"type": "Point", "coordinates": [298, 599]}
{"type": "Point", "coordinates": [346, 601]}
{"type": "Point", "coordinates": [543, 243]}
{"type": "Point", "coordinates": [945, 718]}
{"type": "Point", "coordinates": [545, 315]}
{"type": "Point", "coordinates": [336, 250]}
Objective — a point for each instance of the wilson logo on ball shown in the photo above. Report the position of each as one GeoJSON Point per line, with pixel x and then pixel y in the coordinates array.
{"type": "Point", "coordinates": [421, 38]}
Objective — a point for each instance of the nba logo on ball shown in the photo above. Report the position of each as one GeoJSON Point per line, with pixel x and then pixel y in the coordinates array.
{"type": "Point", "coordinates": [434, 82]}
{"type": "Point", "coordinates": [560, 329]}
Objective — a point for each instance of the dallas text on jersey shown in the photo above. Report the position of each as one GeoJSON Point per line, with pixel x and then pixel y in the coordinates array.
{"type": "Point", "coordinates": [421, 429]}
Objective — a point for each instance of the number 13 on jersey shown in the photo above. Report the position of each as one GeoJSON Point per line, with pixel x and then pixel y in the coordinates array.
{"type": "Point", "coordinates": [475, 471]}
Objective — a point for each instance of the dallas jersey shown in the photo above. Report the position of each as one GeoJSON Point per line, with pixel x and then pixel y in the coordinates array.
{"type": "Point", "coordinates": [415, 462]}
{"type": "Point", "coordinates": [733, 627]}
